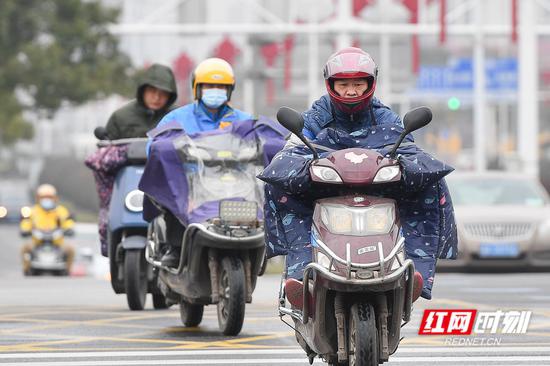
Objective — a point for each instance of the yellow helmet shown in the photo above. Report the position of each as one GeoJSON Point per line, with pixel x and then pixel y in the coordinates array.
{"type": "Point", "coordinates": [213, 71]}
{"type": "Point", "coordinates": [46, 190]}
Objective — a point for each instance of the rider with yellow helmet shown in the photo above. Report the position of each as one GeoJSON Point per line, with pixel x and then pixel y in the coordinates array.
{"type": "Point", "coordinates": [213, 82]}
{"type": "Point", "coordinates": [47, 214]}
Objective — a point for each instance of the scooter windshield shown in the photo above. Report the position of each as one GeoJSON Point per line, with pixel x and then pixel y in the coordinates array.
{"type": "Point", "coordinates": [221, 166]}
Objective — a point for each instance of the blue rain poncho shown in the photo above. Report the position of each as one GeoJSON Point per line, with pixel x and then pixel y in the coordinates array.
{"type": "Point", "coordinates": [424, 202]}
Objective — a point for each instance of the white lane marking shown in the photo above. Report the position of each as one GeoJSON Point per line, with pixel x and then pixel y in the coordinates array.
{"type": "Point", "coordinates": [512, 360]}
{"type": "Point", "coordinates": [270, 351]}
{"type": "Point", "coordinates": [152, 353]}
{"type": "Point", "coordinates": [502, 290]}
{"type": "Point", "coordinates": [539, 297]}
{"type": "Point", "coordinates": [493, 349]}
{"type": "Point", "coordinates": [259, 361]}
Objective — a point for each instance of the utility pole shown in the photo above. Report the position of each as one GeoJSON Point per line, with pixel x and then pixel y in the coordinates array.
{"type": "Point", "coordinates": [480, 100]}
{"type": "Point", "coordinates": [528, 106]}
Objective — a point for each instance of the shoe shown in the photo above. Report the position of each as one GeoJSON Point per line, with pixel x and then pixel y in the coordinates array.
{"type": "Point", "coordinates": [171, 258]}
{"type": "Point", "coordinates": [294, 290]}
{"type": "Point", "coordinates": [418, 284]}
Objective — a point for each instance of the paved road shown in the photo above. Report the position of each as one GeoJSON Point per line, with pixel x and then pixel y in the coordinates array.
{"type": "Point", "coordinates": [78, 321]}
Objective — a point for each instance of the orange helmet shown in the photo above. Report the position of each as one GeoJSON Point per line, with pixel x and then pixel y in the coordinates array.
{"type": "Point", "coordinates": [213, 71]}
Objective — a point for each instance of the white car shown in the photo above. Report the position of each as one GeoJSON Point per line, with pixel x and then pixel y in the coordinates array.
{"type": "Point", "coordinates": [503, 220]}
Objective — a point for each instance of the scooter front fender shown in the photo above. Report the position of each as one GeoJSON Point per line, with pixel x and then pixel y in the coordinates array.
{"type": "Point", "coordinates": [134, 242]}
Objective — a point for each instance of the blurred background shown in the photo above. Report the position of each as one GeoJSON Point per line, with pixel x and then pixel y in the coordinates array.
{"type": "Point", "coordinates": [482, 66]}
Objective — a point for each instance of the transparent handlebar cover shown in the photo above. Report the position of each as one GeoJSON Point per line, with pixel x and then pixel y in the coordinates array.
{"type": "Point", "coordinates": [222, 167]}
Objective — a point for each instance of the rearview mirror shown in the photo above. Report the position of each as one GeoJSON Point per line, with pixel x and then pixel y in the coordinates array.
{"type": "Point", "coordinates": [100, 133]}
{"type": "Point", "coordinates": [417, 118]}
{"type": "Point", "coordinates": [291, 119]}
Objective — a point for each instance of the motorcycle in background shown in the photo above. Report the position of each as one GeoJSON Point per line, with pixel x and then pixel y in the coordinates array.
{"type": "Point", "coordinates": [358, 287]}
{"type": "Point", "coordinates": [127, 230]}
{"type": "Point", "coordinates": [223, 244]}
{"type": "Point", "coordinates": [47, 255]}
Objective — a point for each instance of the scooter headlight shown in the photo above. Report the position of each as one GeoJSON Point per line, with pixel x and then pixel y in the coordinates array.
{"type": "Point", "coordinates": [238, 212]}
{"type": "Point", "coordinates": [386, 174]}
{"type": "Point", "coordinates": [134, 201]}
{"type": "Point", "coordinates": [326, 174]}
{"type": "Point", "coordinates": [358, 221]}
{"type": "Point", "coordinates": [38, 235]}
{"type": "Point", "coordinates": [25, 212]}
{"type": "Point", "coordinates": [57, 234]}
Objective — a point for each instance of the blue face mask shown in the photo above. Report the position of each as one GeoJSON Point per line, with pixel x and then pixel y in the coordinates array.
{"type": "Point", "coordinates": [47, 204]}
{"type": "Point", "coordinates": [214, 98]}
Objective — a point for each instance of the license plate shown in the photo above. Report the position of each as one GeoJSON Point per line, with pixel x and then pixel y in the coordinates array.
{"type": "Point", "coordinates": [501, 250]}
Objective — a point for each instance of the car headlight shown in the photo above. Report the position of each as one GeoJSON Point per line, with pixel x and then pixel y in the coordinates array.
{"type": "Point", "coordinates": [323, 260]}
{"type": "Point", "coordinates": [326, 174]}
{"type": "Point", "coordinates": [358, 221]}
{"type": "Point", "coordinates": [134, 201]}
{"type": "Point", "coordinates": [3, 212]}
{"type": "Point", "coordinates": [386, 174]}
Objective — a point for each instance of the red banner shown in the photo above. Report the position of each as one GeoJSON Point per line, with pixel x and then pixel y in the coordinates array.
{"type": "Point", "coordinates": [227, 50]}
{"type": "Point", "coordinates": [412, 6]}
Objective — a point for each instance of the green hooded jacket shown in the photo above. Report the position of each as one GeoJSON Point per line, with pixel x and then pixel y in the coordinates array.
{"type": "Point", "coordinates": [134, 119]}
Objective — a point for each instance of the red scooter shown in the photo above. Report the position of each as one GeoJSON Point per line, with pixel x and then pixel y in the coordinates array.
{"type": "Point", "coordinates": [358, 287]}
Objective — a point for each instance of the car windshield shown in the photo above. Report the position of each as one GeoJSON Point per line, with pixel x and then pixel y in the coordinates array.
{"type": "Point", "coordinates": [14, 197]}
{"type": "Point", "coordinates": [495, 191]}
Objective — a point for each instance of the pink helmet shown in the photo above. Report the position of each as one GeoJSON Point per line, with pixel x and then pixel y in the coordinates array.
{"type": "Point", "coordinates": [350, 63]}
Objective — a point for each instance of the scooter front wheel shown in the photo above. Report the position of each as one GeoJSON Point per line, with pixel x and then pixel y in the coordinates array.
{"type": "Point", "coordinates": [191, 314]}
{"type": "Point", "coordinates": [159, 301]}
{"type": "Point", "coordinates": [135, 278]}
{"type": "Point", "coordinates": [363, 335]}
{"type": "Point", "coordinates": [232, 292]}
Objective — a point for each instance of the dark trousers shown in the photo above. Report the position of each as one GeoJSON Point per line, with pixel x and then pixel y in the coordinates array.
{"type": "Point", "coordinates": [174, 230]}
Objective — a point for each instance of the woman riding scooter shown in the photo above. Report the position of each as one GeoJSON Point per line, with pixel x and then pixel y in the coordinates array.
{"type": "Point", "coordinates": [357, 219]}
{"type": "Point", "coordinates": [350, 79]}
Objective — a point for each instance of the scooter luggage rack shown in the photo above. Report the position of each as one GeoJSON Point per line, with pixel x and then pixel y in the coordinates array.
{"type": "Point", "coordinates": [349, 264]}
{"type": "Point", "coordinates": [103, 143]}
{"type": "Point", "coordinates": [188, 230]}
